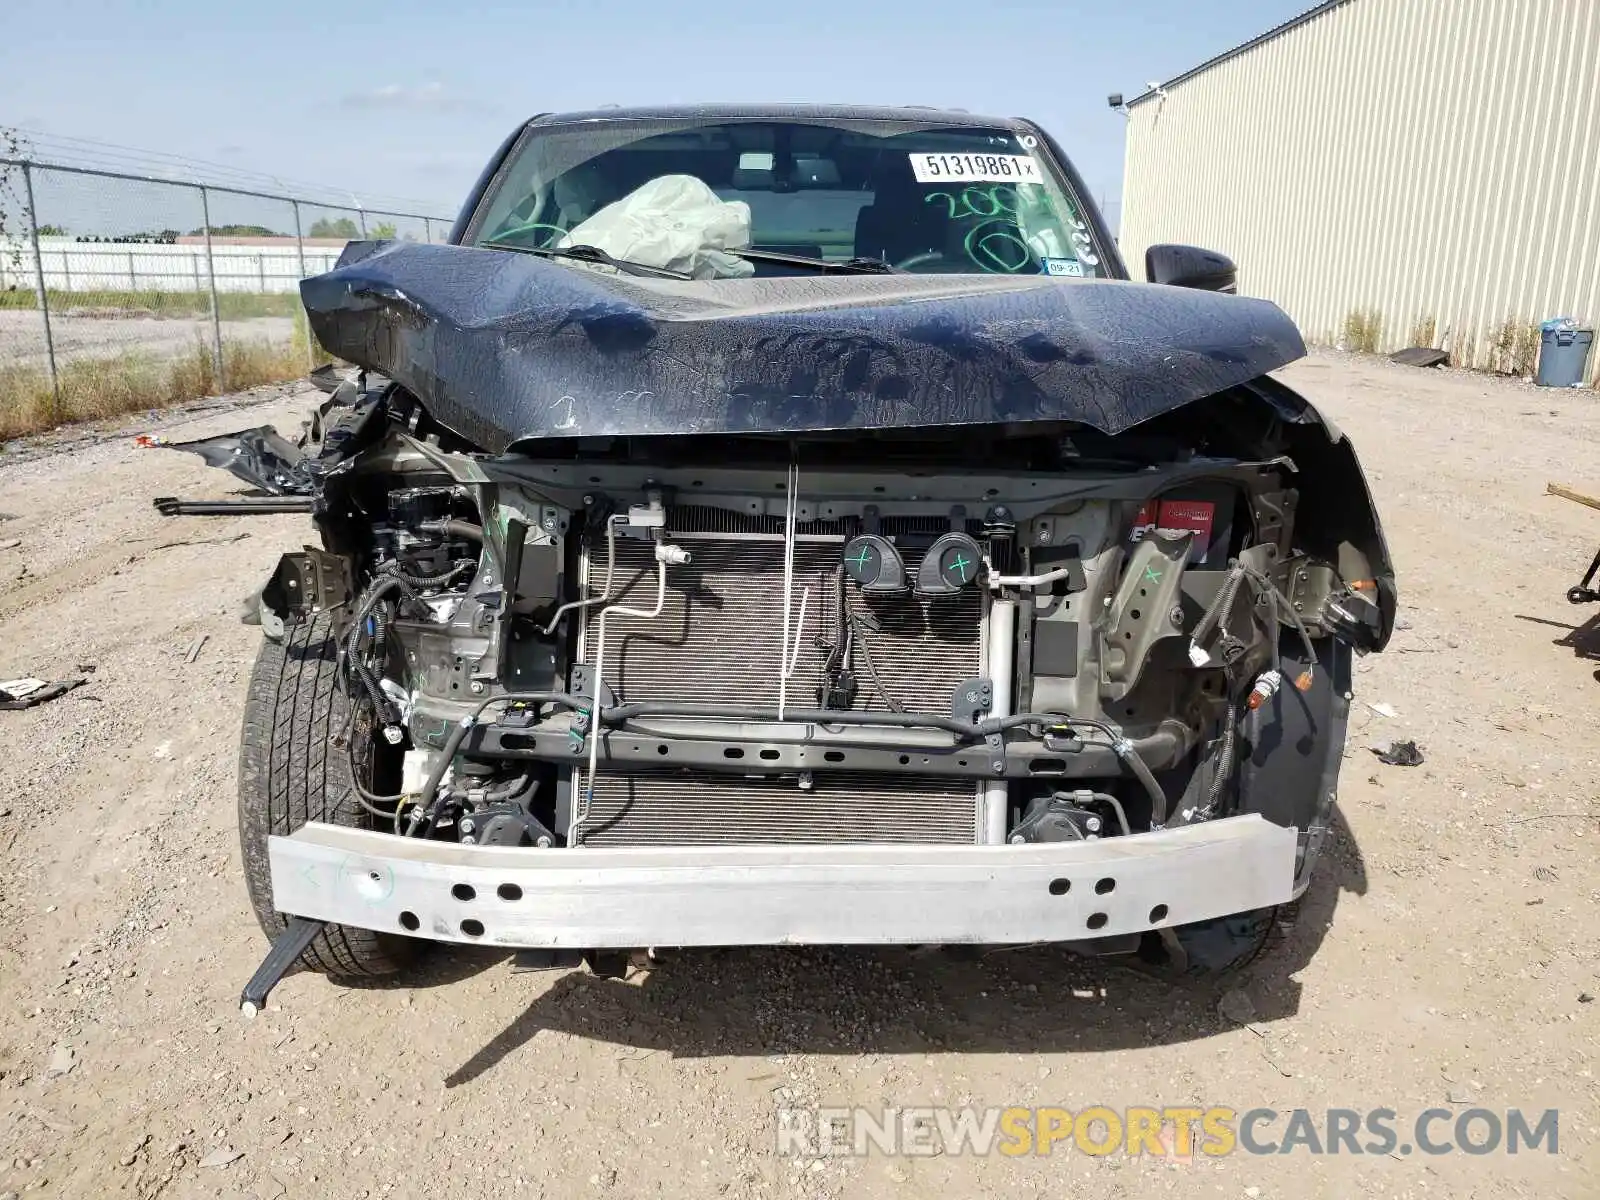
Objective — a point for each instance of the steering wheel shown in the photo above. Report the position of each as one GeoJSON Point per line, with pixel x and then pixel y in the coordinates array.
{"type": "Point", "coordinates": [921, 259]}
{"type": "Point", "coordinates": [512, 232]}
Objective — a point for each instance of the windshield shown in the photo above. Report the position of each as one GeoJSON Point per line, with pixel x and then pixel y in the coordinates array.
{"type": "Point", "coordinates": [928, 199]}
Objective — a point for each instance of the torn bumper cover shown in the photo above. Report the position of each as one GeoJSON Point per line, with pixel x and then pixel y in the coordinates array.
{"type": "Point", "coordinates": [619, 898]}
{"type": "Point", "coordinates": [503, 347]}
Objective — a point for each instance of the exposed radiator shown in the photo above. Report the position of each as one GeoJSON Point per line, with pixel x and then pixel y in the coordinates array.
{"type": "Point", "coordinates": [719, 639]}
{"type": "Point", "coordinates": [699, 809]}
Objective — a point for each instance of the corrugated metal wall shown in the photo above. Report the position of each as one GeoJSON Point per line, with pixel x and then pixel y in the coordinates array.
{"type": "Point", "coordinates": [1431, 166]}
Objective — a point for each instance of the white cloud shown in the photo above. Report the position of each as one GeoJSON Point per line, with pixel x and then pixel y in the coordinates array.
{"type": "Point", "coordinates": [432, 96]}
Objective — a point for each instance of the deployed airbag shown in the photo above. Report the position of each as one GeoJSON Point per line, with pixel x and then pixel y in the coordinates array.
{"type": "Point", "coordinates": [674, 221]}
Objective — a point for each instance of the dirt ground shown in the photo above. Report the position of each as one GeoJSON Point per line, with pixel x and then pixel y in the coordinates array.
{"type": "Point", "coordinates": [76, 336]}
{"type": "Point", "coordinates": [1445, 957]}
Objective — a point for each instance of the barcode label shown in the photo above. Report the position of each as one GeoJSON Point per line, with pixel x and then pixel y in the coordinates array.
{"type": "Point", "coordinates": [974, 168]}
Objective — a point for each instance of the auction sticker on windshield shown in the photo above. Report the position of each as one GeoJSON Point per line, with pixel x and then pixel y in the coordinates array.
{"type": "Point", "coordinates": [974, 168]}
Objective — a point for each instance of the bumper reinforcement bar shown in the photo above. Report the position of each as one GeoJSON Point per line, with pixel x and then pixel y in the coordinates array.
{"type": "Point", "coordinates": [625, 897]}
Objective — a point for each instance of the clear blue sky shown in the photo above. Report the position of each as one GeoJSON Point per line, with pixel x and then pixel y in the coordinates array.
{"type": "Point", "coordinates": [408, 98]}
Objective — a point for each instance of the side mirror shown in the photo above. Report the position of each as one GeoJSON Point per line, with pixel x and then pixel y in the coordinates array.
{"type": "Point", "coordinates": [1191, 267]}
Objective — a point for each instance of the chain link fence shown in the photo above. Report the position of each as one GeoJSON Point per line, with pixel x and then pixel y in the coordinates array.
{"type": "Point", "coordinates": [122, 292]}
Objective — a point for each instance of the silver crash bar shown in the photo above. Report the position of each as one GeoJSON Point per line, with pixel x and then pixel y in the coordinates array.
{"type": "Point", "coordinates": [615, 898]}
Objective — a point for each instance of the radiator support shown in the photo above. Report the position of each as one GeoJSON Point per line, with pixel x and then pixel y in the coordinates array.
{"type": "Point", "coordinates": [719, 640]}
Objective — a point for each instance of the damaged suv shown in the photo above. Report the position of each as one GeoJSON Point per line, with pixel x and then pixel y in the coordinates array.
{"type": "Point", "coordinates": [783, 525]}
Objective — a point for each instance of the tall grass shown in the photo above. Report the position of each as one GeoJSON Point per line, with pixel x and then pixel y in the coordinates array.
{"type": "Point", "coordinates": [1514, 347]}
{"type": "Point", "coordinates": [231, 306]}
{"type": "Point", "coordinates": [138, 381]}
{"type": "Point", "coordinates": [1363, 331]}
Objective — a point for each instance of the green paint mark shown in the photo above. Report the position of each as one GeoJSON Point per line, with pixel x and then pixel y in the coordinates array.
{"type": "Point", "coordinates": [862, 558]}
{"type": "Point", "coordinates": [961, 564]}
{"type": "Point", "coordinates": [1153, 575]}
{"type": "Point", "coordinates": [982, 250]}
{"type": "Point", "coordinates": [310, 872]}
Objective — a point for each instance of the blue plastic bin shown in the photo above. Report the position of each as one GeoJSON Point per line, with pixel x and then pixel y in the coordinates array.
{"type": "Point", "coordinates": [1563, 354]}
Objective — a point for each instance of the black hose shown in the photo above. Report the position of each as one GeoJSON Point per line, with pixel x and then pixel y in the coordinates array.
{"type": "Point", "coordinates": [375, 592]}
{"type": "Point", "coordinates": [1141, 771]}
{"type": "Point", "coordinates": [361, 792]}
{"type": "Point", "coordinates": [1122, 813]}
{"type": "Point", "coordinates": [365, 799]}
{"type": "Point", "coordinates": [392, 570]}
{"type": "Point", "coordinates": [454, 527]}
{"type": "Point", "coordinates": [1128, 754]}
{"type": "Point", "coordinates": [523, 798]}
{"type": "Point", "coordinates": [502, 791]}
{"type": "Point", "coordinates": [458, 734]}
{"type": "Point", "coordinates": [369, 606]}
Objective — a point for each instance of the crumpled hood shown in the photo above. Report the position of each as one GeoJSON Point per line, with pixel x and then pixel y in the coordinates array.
{"type": "Point", "coordinates": [503, 347]}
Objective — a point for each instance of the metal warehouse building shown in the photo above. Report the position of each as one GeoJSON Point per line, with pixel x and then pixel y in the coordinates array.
{"type": "Point", "coordinates": [1391, 172]}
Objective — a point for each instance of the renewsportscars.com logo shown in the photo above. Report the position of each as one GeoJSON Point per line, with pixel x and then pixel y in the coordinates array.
{"type": "Point", "coordinates": [1175, 1133]}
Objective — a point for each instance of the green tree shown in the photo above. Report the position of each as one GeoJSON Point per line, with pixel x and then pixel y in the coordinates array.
{"type": "Point", "coordinates": [238, 231]}
{"type": "Point", "coordinates": [52, 231]}
{"type": "Point", "coordinates": [344, 227]}
{"type": "Point", "coordinates": [383, 229]}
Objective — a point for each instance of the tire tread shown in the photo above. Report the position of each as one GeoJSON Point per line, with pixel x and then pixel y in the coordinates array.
{"type": "Point", "coordinates": [289, 774]}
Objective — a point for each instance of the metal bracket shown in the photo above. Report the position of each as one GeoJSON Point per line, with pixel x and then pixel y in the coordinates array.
{"type": "Point", "coordinates": [1309, 586]}
{"type": "Point", "coordinates": [581, 683]}
{"type": "Point", "coordinates": [1141, 610]}
{"type": "Point", "coordinates": [307, 583]}
{"type": "Point", "coordinates": [286, 951]}
{"type": "Point", "coordinates": [972, 700]}
{"type": "Point", "coordinates": [174, 506]}
{"type": "Point", "coordinates": [996, 745]}
{"type": "Point", "coordinates": [507, 825]}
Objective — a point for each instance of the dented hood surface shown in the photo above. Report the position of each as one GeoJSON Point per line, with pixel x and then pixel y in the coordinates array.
{"type": "Point", "coordinates": [504, 347]}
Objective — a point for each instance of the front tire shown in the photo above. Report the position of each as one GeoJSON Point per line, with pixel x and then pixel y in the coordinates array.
{"type": "Point", "coordinates": [290, 772]}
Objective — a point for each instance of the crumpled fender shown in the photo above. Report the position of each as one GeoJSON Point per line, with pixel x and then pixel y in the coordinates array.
{"type": "Point", "coordinates": [1336, 511]}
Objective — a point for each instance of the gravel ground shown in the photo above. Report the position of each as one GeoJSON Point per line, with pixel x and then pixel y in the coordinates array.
{"type": "Point", "coordinates": [1444, 958]}
{"type": "Point", "coordinates": [22, 335]}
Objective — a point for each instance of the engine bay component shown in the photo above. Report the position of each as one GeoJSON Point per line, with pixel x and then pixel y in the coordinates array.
{"type": "Point", "coordinates": [1144, 610]}
{"type": "Point", "coordinates": [260, 457]}
{"type": "Point", "coordinates": [175, 506]}
{"type": "Point", "coordinates": [306, 583]}
{"type": "Point", "coordinates": [950, 564]}
{"type": "Point", "coordinates": [1080, 815]}
{"type": "Point", "coordinates": [874, 563]}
